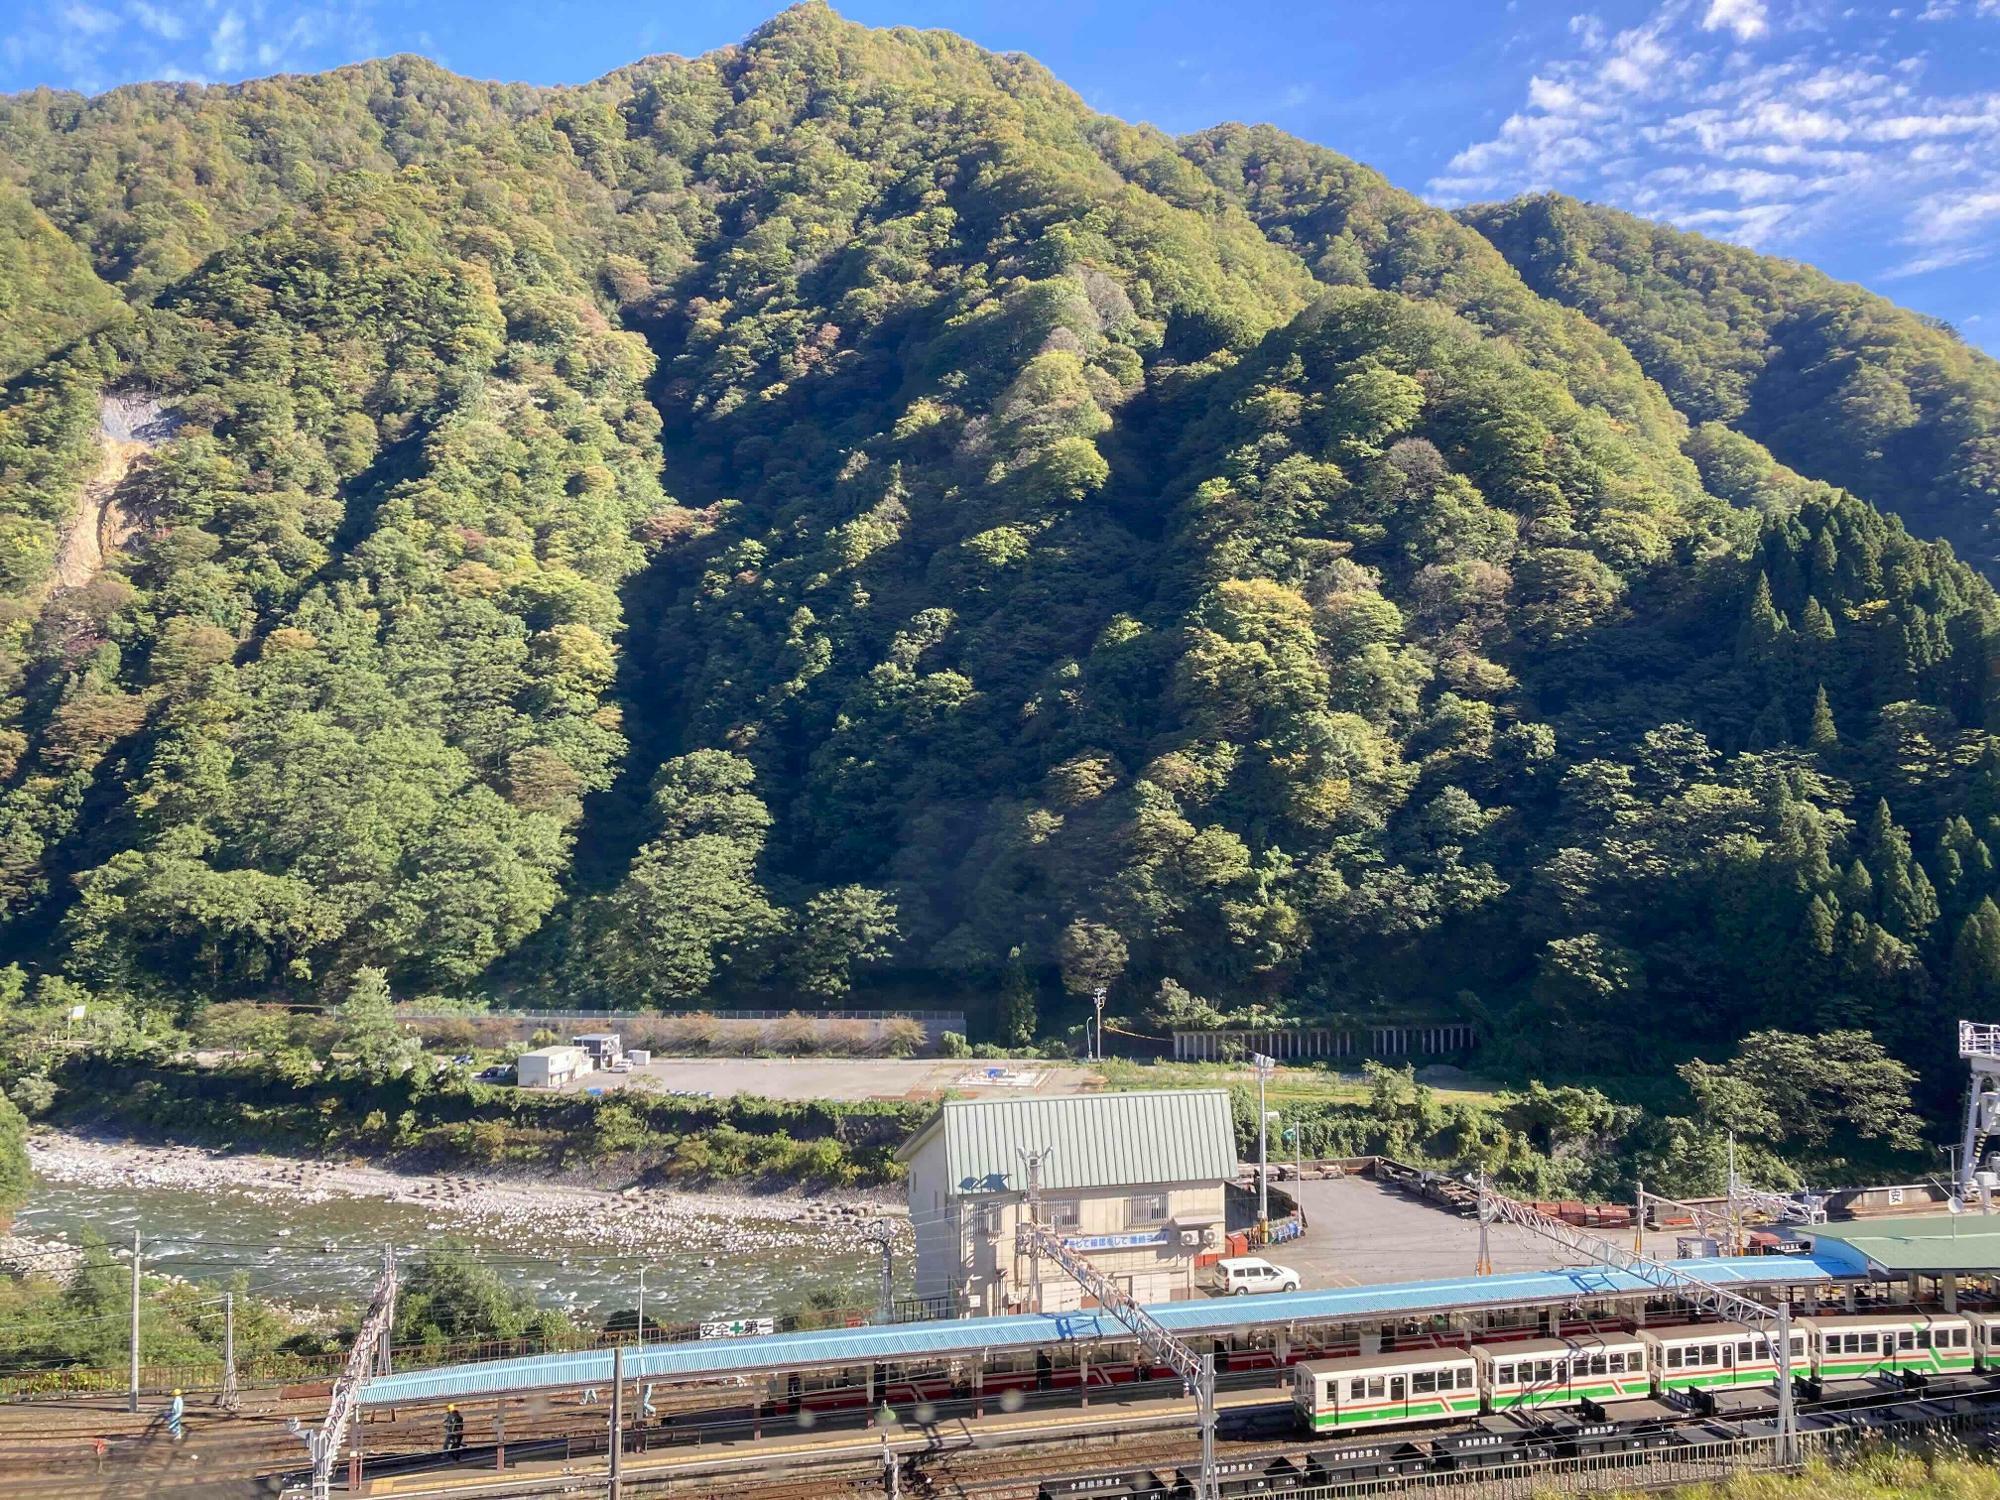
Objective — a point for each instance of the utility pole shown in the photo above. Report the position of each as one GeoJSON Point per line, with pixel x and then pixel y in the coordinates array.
{"type": "Point", "coordinates": [1031, 1171]}
{"type": "Point", "coordinates": [1265, 1067]}
{"type": "Point", "coordinates": [229, 1393]}
{"type": "Point", "coordinates": [1485, 1266]}
{"type": "Point", "coordinates": [617, 1421]}
{"type": "Point", "coordinates": [1097, 999]}
{"type": "Point", "coordinates": [1729, 1219]}
{"type": "Point", "coordinates": [880, 1235]}
{"type": "Point", "coordinates": [132, 1403]}
{"type": "Point", "coordinates": [892, 1480]}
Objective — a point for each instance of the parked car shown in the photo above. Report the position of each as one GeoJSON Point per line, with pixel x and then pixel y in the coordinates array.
{"type": "Point", "coordinates": [498, 1073]}
{"type": "Point", "coordinates": [466, 1060]}
{"type": "Point", "coordinates": [1240, 1275]}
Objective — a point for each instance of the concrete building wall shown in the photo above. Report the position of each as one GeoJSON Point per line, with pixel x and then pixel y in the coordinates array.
{"type": "Point", "coordinates": [1001, 1278]}
{"type": "Point", "coordinates": [548, 1067]}
{"type": "Point", "coordinates": [933, 1211]}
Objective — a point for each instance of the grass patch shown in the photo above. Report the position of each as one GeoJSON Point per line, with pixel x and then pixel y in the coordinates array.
{"type": "Point", "coordinates": [1294, 1083]}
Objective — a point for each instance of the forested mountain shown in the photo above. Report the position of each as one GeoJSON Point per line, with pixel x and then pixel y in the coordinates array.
{"type": "Point", "coordinates": [836, 515]}
{"type": "Point", "coordinates": [1829, 377]}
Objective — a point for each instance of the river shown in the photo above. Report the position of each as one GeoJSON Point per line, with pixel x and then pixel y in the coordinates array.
{"type": "Point", "coordinates": [318, 1243]}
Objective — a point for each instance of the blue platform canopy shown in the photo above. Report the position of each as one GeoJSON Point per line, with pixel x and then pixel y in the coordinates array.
{"type": "Point", "coordinates": [710, 1359]}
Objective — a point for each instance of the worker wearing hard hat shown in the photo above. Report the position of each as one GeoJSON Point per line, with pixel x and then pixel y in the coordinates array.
{"type": "Point", "coordinates": [454, 1428]}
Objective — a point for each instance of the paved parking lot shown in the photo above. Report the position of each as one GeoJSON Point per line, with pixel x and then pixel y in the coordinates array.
{"type": "Point", "coordinates": [1358, 1232]}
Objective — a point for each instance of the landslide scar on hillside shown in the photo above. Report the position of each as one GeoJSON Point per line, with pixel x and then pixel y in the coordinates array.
{"type": "Point", "coordinates": [131, 425]}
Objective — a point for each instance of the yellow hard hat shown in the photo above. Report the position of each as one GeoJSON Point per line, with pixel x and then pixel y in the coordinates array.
{"type": "Point", "coordinates": [451, 1406]}
{"type": "Point", "coordinates": [177, 1390]}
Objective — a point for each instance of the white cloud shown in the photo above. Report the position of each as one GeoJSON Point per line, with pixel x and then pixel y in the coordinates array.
{"type": "Point", "coordinates": [88, 19]}
{"type": "Point", "coordinates": [225, 43]}
{"type": "Point", "coordinates": [1744, 17]}
{"type": "Point", "coordinates": [163, 23]}
{"type": "Point", "coordinates": [92, 45]}
{"type": "Point", "coordinates": [1544, 94]}
{"type": "Point", "coordinates": [1672, 118]}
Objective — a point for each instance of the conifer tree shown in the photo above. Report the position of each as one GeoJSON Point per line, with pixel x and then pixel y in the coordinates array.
{"type": "Point", "coordinates": [1017, 1002]}
{"type": "Point", "coordinates": [1974, 980]}
{"type": "Point", "coordinates": [1823, 737]}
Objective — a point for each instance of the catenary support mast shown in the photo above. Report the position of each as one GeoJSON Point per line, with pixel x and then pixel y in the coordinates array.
{"type": "Point", "coordinates": [368, 1353]}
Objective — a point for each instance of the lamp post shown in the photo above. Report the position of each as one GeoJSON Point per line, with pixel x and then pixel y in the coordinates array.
{"type": "Point", "coordinates": [1097, 1000]}
{"type": "Point", "coordinates": [1265, 1067]}
{"type": "Point", "coordinates": [642, 1297]}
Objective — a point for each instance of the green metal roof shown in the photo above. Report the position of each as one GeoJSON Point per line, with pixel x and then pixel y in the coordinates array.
{"type": "Point", "coordinates": [1093, 1140]}
{"type": "Point", "coordinates": [1925, 1243]}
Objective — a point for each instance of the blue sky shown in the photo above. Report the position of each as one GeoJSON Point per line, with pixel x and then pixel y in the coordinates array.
{"type": "Point", "coordinates": [1863, 137]}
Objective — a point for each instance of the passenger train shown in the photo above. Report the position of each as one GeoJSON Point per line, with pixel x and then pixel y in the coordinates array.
{"type": "Point", "coordinates": [1365, 1391]}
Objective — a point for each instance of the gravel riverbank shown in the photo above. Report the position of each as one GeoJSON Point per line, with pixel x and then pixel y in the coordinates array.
{"type": "Point", "coordinates": [648, 1221]}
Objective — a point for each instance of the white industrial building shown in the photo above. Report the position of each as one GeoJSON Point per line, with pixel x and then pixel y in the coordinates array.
{"type": "Point", "coordinates": [550, 1067]}
{"type": "Point", "coordinates": [1135, 1181]}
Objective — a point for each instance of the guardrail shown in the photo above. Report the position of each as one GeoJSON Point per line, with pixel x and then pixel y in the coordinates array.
{"type": "Point", "coordinates": [1652, 1469]}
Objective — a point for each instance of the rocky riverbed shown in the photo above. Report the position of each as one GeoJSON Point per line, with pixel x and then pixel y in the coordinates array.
{"type": "Point", "coordinates": [304, 1227]}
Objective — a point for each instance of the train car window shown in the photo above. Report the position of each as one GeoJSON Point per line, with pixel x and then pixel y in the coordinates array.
{"type": "Point", "coordinates": [1673, 1362]}
{"type": "Point", "coordinates": [1869, 1345]}
{"type": "Point", "coordinates": [1374, 1394]}
{"type": "Point", "coordinates": [1798, 1352]}
{"type": "Point", "coordinates": [1502, 1375]}
{"type": "Point", "coordinates": [1745, 1352]}
{"type": "Point", "coordinates": [1905, 1339]}
{"type": "Point", "coordinates": [1959, 1338]}
{"type": "Point", "coordinates": [1422, 1383]}
{"type": "Point", "coordinates": [1545, 1371]}
{"type": "Point", "coordinates": [1464, 1380]}
{"type": "Point", "coordinates": [1356, 1389]}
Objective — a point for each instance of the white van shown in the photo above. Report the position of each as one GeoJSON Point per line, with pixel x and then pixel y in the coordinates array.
{"type": "Point", "coordinates": [1240, 1275]}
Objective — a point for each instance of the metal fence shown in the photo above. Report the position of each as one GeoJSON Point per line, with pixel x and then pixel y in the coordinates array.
{"type": "Point", "coordinates": [950, 1019]}
{"type": "Point", "coordinates": [1396, 1039]}
{"type": "Point", "coordinates": [1650, 1469]}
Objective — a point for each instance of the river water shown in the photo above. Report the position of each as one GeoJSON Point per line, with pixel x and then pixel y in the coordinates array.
{"type": "Point", "coordinates": [326, 1253]}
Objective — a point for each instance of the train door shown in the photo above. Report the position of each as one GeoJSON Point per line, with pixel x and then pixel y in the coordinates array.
{"type": "Point", "coordinates": [1399, 1395]}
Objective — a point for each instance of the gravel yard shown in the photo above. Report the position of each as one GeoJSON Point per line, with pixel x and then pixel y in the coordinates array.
{"type": "Point", "coordinates": [844, 1078]}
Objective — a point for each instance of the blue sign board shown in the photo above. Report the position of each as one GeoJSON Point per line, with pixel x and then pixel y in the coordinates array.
{"type": "Point", "coordinates": [1116, 1241]}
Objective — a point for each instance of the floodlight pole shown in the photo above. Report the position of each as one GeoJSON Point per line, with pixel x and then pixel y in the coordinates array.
{"type": "Point", "coordinates": [1265, 1067]}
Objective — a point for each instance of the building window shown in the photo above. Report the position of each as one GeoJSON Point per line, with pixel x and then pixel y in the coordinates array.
{"type": "Point", "coordinates": [1146, 1208]}
{"type": "Point", "coordinates": [1061, 1213]}
{"type": "Point", "coordinates": [989, 1221]}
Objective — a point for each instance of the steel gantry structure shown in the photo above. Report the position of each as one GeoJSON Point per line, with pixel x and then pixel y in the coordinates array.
{"type": "Point", "coordinates": [1979, 1047]}
{"type": "Point", "coordinates": [1776, 1321]}
{"type": "Point", "coordinates": [370, 1355]}
{"type": "Point", "coordinates": [1197, 1371]}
